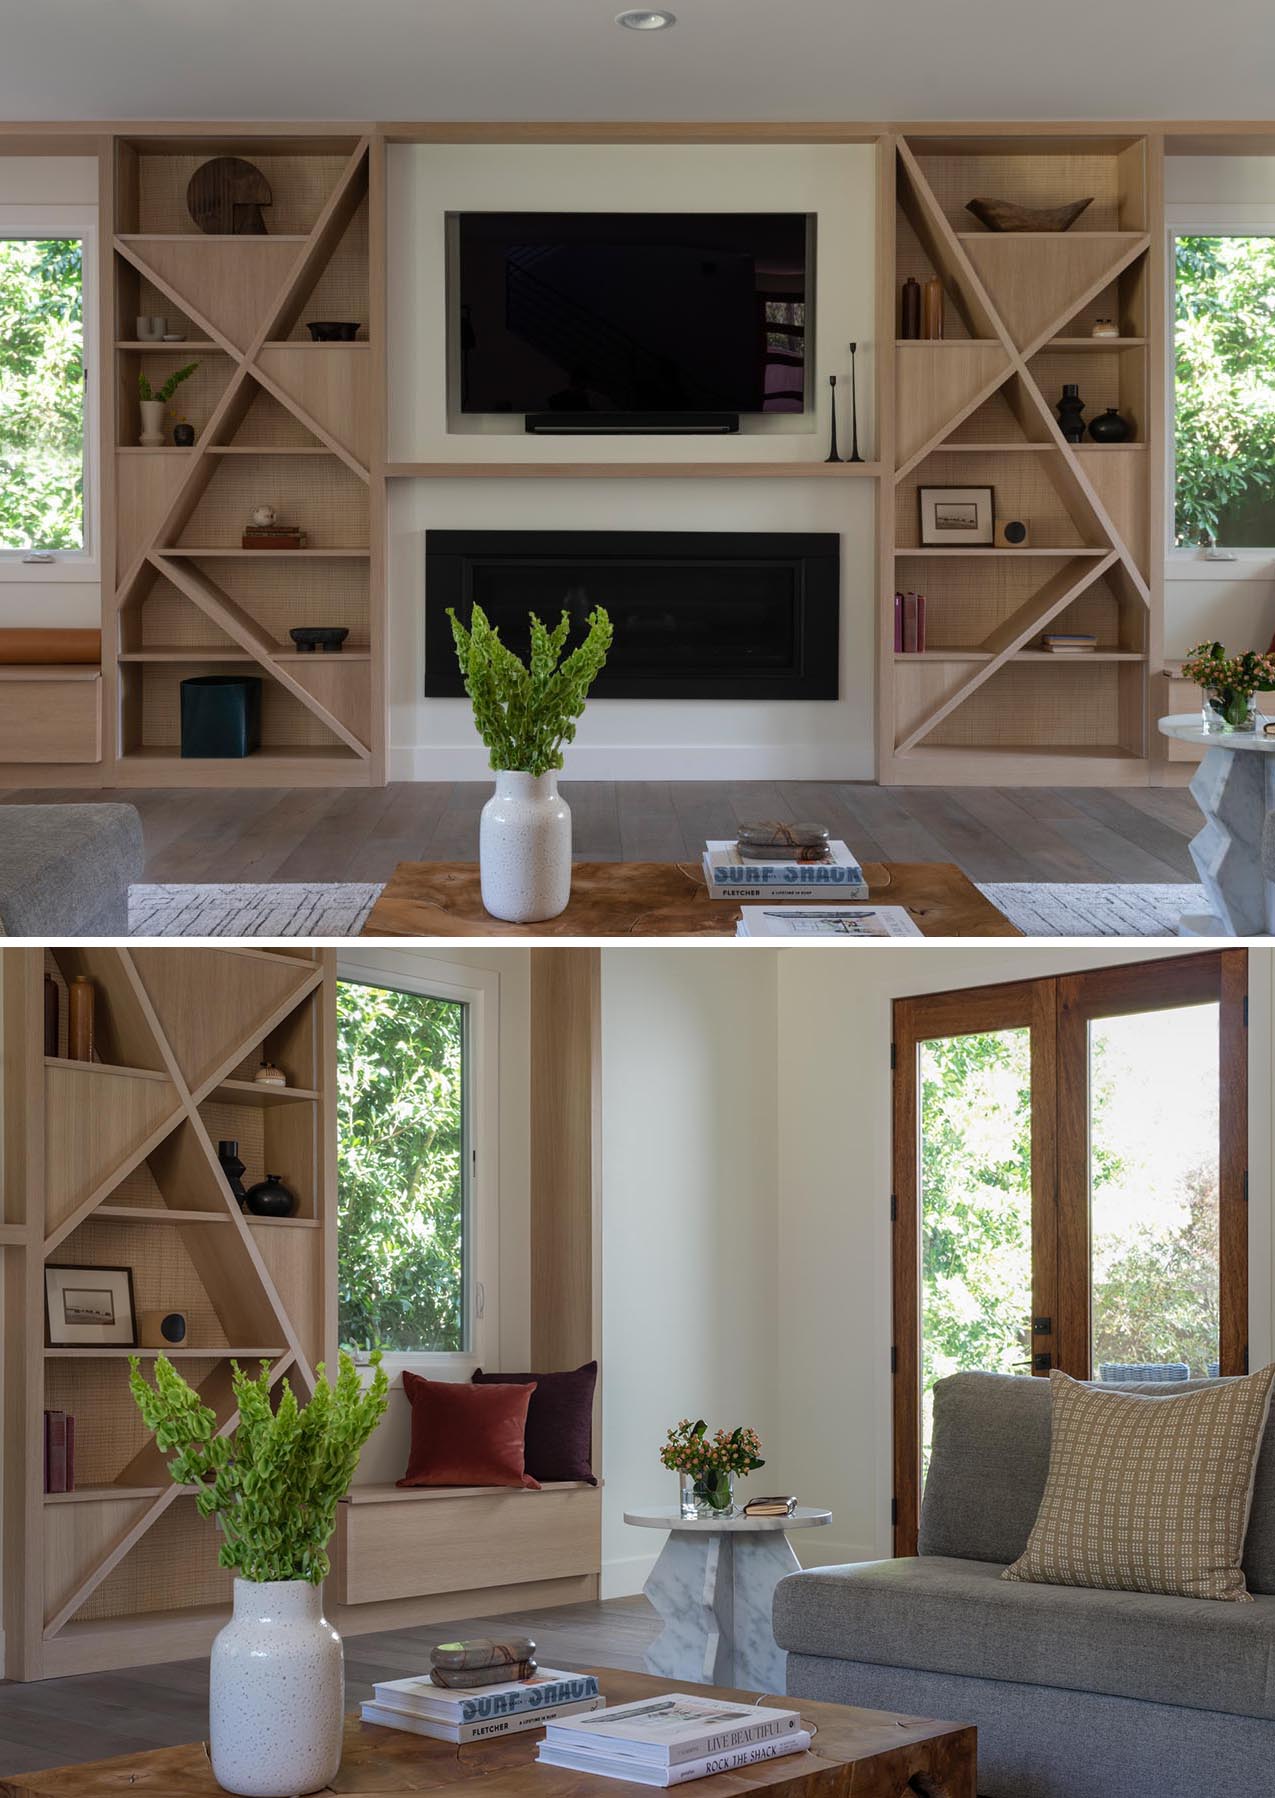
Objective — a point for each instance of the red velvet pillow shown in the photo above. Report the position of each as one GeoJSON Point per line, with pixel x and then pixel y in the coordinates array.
{"type": "Point", "coordinates": [466, 1435]}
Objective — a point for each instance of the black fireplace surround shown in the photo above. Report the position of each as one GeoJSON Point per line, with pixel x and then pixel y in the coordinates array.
{"type": "Point", "coordinates": [697, 614]}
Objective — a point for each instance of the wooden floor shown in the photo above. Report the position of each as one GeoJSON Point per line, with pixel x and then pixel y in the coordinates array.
{"type": "Point", "coordinates": [1128, 835]}
{"type": "Point", "coordinates": [61, 1722]}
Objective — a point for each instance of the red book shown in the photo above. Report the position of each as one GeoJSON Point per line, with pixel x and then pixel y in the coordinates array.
{"type": "Point", "coordinates": [920, 624]}
{"type": "Point", "coordinates": [898, 624]}
{"type": "Point", "coordinates": [70, 1453]}
{"type": "Point", "coordinates": [909, 623]}
{"type": "Point", "coordinates": [55, 1451]}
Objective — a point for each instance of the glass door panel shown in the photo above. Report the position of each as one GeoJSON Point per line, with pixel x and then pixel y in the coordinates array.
{"type": "Point", "coordinates": [975, 1162]}
{"type": "Point", "coordinates": [1154, 1184]}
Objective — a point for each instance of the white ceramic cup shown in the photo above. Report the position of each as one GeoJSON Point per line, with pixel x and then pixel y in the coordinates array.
{"type": "Point", "coordinates": [151, 330]}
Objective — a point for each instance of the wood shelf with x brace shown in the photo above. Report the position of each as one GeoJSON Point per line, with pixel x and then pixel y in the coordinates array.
{"type": "Point", "coordinates": [99, 1153]}
{"type": "Point", "coordinates": [279, 420]}
{"type": "Point", "coordinates": [976, 409]}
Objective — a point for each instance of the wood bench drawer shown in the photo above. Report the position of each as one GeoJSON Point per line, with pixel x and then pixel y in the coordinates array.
{"type": "Point", "coordinates": [50, 715]}
{"type": "Point", "coordinates": [416, 1547]}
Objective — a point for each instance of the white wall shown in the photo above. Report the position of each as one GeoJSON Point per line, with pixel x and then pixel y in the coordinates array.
{"type": "Point", "coordinates": [1232, 601]}
{"type": "Point", "coordinates": [833, 1045]}
{"type": "Point", "coordinates": [689, 1320]}
{"type": "Point", "coordinates": [631, 739]}
{"type": "Point", "coordinates": [27, 596]}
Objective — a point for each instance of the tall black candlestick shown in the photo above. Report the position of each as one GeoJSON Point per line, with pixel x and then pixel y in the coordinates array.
{"type": "Point", "coordinates": [832, 455]}
{"type": "Point", "coordinates": [854, 455]}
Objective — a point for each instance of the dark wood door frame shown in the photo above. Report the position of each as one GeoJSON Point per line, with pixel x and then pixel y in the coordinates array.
{"type": "Point", "coordinates": [1057, 1010]}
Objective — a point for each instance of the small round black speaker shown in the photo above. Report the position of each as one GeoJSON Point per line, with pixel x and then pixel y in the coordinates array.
{"type": "Point", "coordinates": [1014, 531]}
{"type": "Point", "coordinates": [173, 1327]}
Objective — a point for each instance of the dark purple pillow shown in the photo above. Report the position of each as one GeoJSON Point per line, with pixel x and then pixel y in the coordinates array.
{"type": "Point", "coordinates": [559, 1421]}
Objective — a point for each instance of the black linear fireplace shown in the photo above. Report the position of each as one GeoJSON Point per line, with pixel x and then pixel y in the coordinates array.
{"type": "Point", "coordinates": [697, 614]}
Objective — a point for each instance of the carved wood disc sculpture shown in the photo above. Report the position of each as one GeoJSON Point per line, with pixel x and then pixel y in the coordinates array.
{"type": "Point", "coordinates": [225, 198]}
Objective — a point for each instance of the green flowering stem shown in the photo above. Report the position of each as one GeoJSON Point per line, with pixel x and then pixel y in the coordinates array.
{"type": "Point", "coordinates": [526, 712]}
{"type": "Point", "coordinates": [275, 1483]}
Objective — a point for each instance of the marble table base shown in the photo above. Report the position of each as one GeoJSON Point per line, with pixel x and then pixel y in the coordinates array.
{"type": "Point", "coordinates": [1234, 790]}
{"type": "Point", "coordinates": [714, 1594]}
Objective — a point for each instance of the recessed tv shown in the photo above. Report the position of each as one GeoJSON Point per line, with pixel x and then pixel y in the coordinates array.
{"type": "Point", "coordinates": [640, 313]}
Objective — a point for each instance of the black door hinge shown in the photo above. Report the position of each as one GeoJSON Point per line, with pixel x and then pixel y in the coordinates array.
{"type": "Point", "coordinates": [1246, 1186]}
{"type": "Point", "coordinates": [894, 1511]}
{"type": "Point", "coordinates": [1042, 1326]}
{"type": "Point", "coordinates": [1042, 1363]}
{"type": "Point", "coordinates": [894, 1208]}
{"type": "Point", "coordinates": [1246, 1011]}
{"type": "Point", "coordinates": [894, 1056]}
{"type": "Point", "coordinates": [894, 1359]}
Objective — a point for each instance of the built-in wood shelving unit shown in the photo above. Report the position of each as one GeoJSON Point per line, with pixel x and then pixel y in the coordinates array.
{"type": "Point", "coordinates": [279, 420]}
{"type": "Point", "coordinates": [98, 1154]}
{"type": "Point", "coordinates": [986, 704]}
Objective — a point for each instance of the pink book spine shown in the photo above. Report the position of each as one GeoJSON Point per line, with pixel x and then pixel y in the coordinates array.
{"type": "Point", "coordinates": [909, 623]}
{"type": "Point", "coordinates": [898, 624]}
{"type": "Point", "coordinates": [55, 1459]}
{"type": "Point", "coordinates": [920, 625]}
{"type": "Point", "coordinates": [70, 1453]}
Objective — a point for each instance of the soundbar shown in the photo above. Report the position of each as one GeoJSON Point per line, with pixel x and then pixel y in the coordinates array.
{"type": "Point", "coordinates": [632, 424]}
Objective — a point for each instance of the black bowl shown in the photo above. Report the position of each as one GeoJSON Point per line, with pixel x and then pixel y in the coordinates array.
{"type": "Point", "coordinates": [328, 330]}
{"type": "Point", "coordinates": [328, 637]}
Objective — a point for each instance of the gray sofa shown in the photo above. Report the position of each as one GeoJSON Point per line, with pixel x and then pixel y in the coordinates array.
{"type": "Point", "coordinates": [65, 870]}
{"type": "Point", "coordinates": [1075, 1693]}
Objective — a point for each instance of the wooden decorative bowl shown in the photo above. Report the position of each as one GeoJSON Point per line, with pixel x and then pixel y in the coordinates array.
{"type": "Point", "coordinates": [1003, 215]}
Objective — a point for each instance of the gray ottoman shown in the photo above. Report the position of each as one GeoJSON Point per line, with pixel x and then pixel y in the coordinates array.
{"type": "Point", "coordinates": [65, 870]}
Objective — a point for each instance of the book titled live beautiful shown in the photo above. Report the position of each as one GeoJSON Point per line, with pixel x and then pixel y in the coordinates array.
{"type": "Point", "coordinates": [671, 1730]}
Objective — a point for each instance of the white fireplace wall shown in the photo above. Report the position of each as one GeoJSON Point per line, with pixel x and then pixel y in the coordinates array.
{"type": "Point", "coordinates": [632, 739]}
{"type": "Point", "coordinates": [665, 739]}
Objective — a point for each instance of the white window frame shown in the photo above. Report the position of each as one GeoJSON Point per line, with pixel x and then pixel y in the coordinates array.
{"type": "Point", "coordinates": [1204, 218]}
{"type": "Point", "coordinates": [56, 220]}
{"type": "Point", "coordinates": [411, 971]}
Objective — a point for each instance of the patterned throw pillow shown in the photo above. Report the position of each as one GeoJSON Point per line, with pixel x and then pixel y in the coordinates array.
{"type": "Point", "coordinates": [1148, 1494]}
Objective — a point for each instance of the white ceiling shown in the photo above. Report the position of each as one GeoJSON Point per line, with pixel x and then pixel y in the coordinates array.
{"type": "Point", "coordinates": [567, 59]}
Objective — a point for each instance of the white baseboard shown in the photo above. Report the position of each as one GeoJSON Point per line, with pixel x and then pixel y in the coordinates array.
{"type": "Point", "coordinates": [624, 1578]}
{"type": "Point", "coordinates": [646, 761]}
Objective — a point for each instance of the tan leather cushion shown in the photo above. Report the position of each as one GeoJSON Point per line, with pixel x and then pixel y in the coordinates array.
{"type": "Point", "coordinates": [1147, 1494]}
{"type": "Point", "coordinates": [52, 648]}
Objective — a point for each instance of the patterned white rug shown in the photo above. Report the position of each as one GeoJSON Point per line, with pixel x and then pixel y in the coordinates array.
{"type": "Point", "coordinates": [339, 910]}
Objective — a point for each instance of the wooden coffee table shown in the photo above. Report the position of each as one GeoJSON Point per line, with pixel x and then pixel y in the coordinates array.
{"type": "Point", "coordinates": [870, 1754]}
{"type": "Point", "coordinates": [658, 899]}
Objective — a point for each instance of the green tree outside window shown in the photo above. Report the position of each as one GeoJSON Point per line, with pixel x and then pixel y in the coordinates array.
{"type": "Point", "coordinates": [41, 394]}
{"type": "Point", "coordinates": [400, 1158]}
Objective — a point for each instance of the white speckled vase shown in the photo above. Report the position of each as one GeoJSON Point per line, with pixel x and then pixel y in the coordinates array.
{"type": "Point", "coordinates": [524, 849]}
{"type": "Point", "coordinates": [276, 1698]}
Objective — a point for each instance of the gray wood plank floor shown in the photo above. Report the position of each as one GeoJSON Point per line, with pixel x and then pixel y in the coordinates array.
{"type": "Point", "coordinates": [93, 1716]}
{"type": "Point", "coordinates": [1127, 835]}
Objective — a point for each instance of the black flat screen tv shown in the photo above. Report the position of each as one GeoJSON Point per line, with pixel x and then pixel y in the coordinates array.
{"type": "Point", "coordinates": [633, 312]}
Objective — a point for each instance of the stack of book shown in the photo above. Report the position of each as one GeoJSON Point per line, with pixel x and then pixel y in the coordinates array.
{"type": "Point", "coordinates": [825, 920]}
{"type": "Point", "coordinates": [472, 1714]}
{"type": "Point", "coordinates": [728, 875]}
{"type": "Point", "coordinates": [273, 536]}
{"type": "Point", "coordinates": [667, 1741]}
{"type": "Point", "coordinates": [909, 624]}
{"type": "Point", "coordinates": [1070, 643]}
{"type": "Point", "coordinates": [59, 1452]}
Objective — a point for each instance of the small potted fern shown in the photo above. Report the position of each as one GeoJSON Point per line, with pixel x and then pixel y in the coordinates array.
{"type": "Point", "coordinates": [277, 1680]}
{"type": "Point", "coordinates": [152, 404]}
{"type": "Point", "coordinates": [524, 714]}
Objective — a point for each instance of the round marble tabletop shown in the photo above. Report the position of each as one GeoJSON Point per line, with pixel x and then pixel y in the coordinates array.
{"type": "Point", "coordinates": [803, 1518]}
{"type": "Point", "coordinates": [1187, 728]}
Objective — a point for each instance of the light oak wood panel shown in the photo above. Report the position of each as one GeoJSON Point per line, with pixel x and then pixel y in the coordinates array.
{"type": "Point", "coordinates": [77, 1537]}
{"type": "Point", "coordinates": [210, 1003]}
{"type": "Point", "coordinates": [1038, 280]}
{"type": "Point", "coordinates": [328, 386]}
{"type": "Point", "coordinates": [396, 1551]}
{"type": "Point", "coordinates": [233, 282]}
{"type": "Point", "coordinates": [98, 1124]}
{"type": "Point", "coordinates": [293, 1259]}
{"type": "Point", "coordinates": [145, 487]}
{"type": "Point", "coordinates": [343, 687]}
{"type": "Point", "coordinates": [1120, 477]}
{"type": "Point", "coordinates": [937, 386]}
{"type": "Point", "coordinates": [51, 718]}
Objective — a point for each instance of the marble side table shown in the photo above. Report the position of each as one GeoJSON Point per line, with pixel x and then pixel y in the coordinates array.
{"type": "Point", "coordinates": [1234, 787]}
{"type": "Point", "coordinates": [713, 1585]}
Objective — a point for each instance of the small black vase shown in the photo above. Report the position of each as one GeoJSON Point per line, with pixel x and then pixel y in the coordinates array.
{"type": "Point", "coordinates": [233, 1169]}
{"type": "Point", "coordinates": [270, 1198]}
{"type": "Point", "coordinates": [1070, 410]}
{"type": "Point", "coordinates": [1110, 427]}
{"type": "Point", "coordinates": [184, 436]}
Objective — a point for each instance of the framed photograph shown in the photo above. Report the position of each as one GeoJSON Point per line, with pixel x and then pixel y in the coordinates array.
{"type": "Point", "coordinates": [89, 1307]}
{"type": "Point", "coordinates": [957, 517]}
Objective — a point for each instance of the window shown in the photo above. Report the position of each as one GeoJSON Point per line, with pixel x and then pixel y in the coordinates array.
{"type": "Point", "coordinates": [45, 406]}
{"type": "Point", "coordinates": [1224, 390]}
{"type": "Point", "coordinates": [417, 1163]}
{"type": "Point", "coordinates": [1069, 1181]}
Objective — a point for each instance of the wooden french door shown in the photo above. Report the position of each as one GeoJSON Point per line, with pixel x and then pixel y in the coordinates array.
{"type": "Point", "coordinates": [1070, 1183]}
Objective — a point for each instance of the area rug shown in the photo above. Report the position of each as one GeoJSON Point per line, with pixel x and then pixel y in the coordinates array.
{"type": "Point", "coordinates": [340, 909]}
{"type": "Point", "coordinates": [282, 910]}
{"type": "Point", "coordinates": [1065, 910]}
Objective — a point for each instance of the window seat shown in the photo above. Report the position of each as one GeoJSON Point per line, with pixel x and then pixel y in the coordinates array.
{"type": "Point", "coordinates": [423, 1542]}
{"type": "Point", "coordinates": [52, 712]}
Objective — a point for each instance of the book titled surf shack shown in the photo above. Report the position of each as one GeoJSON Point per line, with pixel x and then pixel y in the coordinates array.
{"type": "Point", "coordinates": [528, 1695]}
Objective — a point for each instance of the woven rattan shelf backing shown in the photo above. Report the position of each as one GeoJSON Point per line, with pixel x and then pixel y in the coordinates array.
{"type": "Point", "coordinates": [318, 493]}
{"type": "Point", "coordinates": [299, 187]}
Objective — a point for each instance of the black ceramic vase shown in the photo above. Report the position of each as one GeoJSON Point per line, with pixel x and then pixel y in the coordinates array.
{"type": "Point", "coordinates": [233, 1169]}
{"type": "Point", "coordinates": [184, 436]}
{"type": "Point", "coordinates": [1070, 410]}
{"type": "Point", "coordinates": [1110, 427]}
{"type": "Point", "coordinates": [270, 1198]}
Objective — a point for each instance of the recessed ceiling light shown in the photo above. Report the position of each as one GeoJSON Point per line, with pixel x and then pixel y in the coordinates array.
{"type": "Point", "coordinates": [645, 21]}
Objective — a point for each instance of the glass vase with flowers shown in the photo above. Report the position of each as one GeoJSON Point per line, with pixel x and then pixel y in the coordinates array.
{"type": "Point", "coordinates": [1229, 685]}
{"type": "Point", "coordinates": [708, 1465]}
